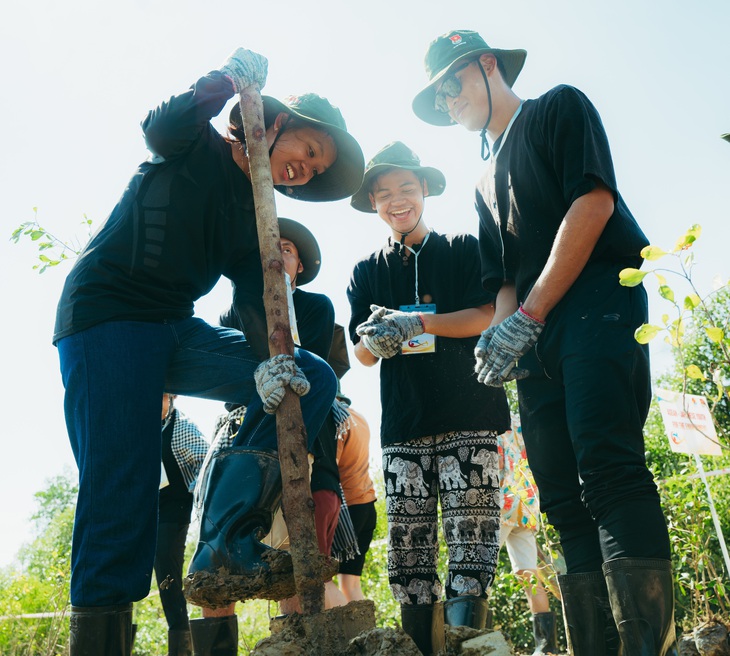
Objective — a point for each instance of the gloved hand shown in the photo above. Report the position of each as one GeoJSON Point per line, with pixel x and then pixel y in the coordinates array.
{"type": "Point", "coordinates": [480, 350]}
{"type": "Point", "coordinates": [385, 346]}
{"type": "Point", "coordinates": [500, 346]}
{"type": "Point", "coordinates": [383, 321]}
{"type": "Point", "coordinates": [273, 375]}
{"type": "Point", "coordinates": [244, 68]}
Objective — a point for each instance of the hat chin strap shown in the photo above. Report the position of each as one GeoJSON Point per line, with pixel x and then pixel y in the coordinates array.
{"type": "Point", "coordinates": [277, 134]}
{"type": "Point", "coordinates": [403, 235]}
{"type": "Point", "coordinates": [486, 151]}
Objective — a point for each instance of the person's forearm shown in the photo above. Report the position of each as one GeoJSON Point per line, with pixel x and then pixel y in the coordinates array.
{"type": "Point", "coordinates": [364, 356]}
{"type": "Point", "coordinates": [506, 303]}
{"type": "Point", "coordinates": [463, 323]}
{"type": "Point", "coordinates": [577, 237]}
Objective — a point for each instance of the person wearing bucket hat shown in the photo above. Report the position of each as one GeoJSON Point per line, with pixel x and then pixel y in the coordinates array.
{"type": "Point", "coordinates": [315, 329]}
{"type": "Point", "coordinates": [417, 307]}
{"type": "Point", "coordinates": [125, 328]}
{"type": "Point", "coordinates": [554, 234]}
{"type": "Point", "coordinates": [343, 176]}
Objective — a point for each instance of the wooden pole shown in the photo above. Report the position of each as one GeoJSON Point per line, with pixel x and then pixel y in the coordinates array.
{"type": "Point", "coordinates": [292, 437]}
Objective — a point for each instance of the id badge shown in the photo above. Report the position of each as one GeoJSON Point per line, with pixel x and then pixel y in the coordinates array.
{"type": "Point", "coordinates": [425, 343]}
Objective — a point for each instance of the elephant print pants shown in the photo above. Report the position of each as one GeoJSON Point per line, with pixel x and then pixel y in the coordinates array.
{"type": "Point", "coordinates": [460, 468]}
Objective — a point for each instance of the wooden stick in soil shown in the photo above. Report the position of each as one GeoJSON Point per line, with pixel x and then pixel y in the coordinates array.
{"type": "Point", "coordinates": [296, 495]}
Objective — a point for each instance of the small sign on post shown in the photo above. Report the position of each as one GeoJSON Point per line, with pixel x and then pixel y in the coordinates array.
{"type": "Point", "coordinates": [690, 429]}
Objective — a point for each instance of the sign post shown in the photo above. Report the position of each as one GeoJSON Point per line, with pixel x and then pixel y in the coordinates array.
{"type": "Point", "coordinates": [690, 429]}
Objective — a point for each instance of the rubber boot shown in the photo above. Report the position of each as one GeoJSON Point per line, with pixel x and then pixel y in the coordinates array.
{"type": "Point", "coordinates": [641, 592]}
{"type": "Point", "coordinates": [215, 636]}
{"type": "Point", "coordinates": [468, 610]}
{"type": "Point", "coordinates": [98, 630]}
{"type": "Point", "coordinates": [179, 643]}
{"type": "Point", "coordinates": [243, 492]}
{"type": "Point", "coordinates": [543, 628]}
{"type": "Point", "coordinates": [589, 626]}
{"type": "Point", "coordinates": [425, 624]}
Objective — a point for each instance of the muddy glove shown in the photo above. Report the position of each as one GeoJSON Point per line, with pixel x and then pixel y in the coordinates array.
{"type": "Point", "coordinates": [273, 375]}
{"type": "Point", "coordinates": [497, 352]}
{"type": "Point", "coordinates": [385, 346]}
{"type": "Point", "coordinates": [387, 328]}
{"type": "Point", "coordinates": [244, 68]}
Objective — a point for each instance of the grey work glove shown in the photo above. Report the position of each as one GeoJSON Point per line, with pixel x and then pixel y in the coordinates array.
{"type": "Point", "coordinates": [387, 329]}
{"type": "Point", "coordinates": [273, 375]}
{"type": "Point", "coordinates": [244, 68]}
{"type": "Point", "coordinates": [500, 346]}
{"type": "Point", "coordinates": [385, 346]}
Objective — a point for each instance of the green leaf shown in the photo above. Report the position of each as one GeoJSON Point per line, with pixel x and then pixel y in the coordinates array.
{"type": "Point", "coordinates": [35, 235]}
{"type": "Point", "coordinates": [665, 319]}
{"type": "Point", "coordinates": [631, 277]}
{"type": "Point", "coordinates": [660, 278]}
{"type": "Point", "coordinates": [688, 238]}
{"type": "Point", "coordinates": [715, 334]}
{"type": "Point", "coordinates": [691, 301]}
{"type": "Point", "coordinates": [652, 253]}
{"type": "Point", "coordinates": [693, 371]}
{"type": "Point", "coordinates": [645, 333]}
{"type": "Point", "coordinates": [665, 291]}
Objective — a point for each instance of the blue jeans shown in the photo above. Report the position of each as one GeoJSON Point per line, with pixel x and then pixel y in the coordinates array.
{"type": "Point", "coordinates": [114, 375]}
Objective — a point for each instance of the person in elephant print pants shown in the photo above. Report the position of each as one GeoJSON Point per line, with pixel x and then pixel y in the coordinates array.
{"type": "Point", "coordinates": [439, 426]}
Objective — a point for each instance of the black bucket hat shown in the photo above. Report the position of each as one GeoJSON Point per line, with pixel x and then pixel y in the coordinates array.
{"type": "Point", "coordinates": [307, 247]}
{"type": "Point", "coordinates": [341, 179]}
{"type": "Point", "coordinates": [448, 49]}
{"type": "Point", "coordinates": [396, 155]}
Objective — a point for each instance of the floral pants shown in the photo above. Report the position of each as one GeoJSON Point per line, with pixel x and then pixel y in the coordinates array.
{"type": "Point", "coordinates": [461, 469]}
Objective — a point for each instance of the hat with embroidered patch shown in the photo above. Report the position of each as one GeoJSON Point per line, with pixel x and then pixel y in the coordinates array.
{"type": "Point", "coordinates": [344, 176]}
{"type": "Point", "coordinates": [307, 247]}
{"type": "Point", "coordinates": [396, 155]}
{"type": "Point", "coordinates": [453, 47]}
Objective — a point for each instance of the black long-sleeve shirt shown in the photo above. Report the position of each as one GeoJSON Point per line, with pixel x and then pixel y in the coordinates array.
{"type": "Point", "coordinates": [185, 219]}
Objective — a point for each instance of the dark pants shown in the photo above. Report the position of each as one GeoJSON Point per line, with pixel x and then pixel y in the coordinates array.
{"type": "Point", "coordinates": [114, 375]}
{"type": "Point", "coordinates": [583, 409]}
{"type": "Point", "coordinates": [169, 572]}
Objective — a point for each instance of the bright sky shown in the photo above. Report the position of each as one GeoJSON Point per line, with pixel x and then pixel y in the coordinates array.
{"type": "Point", "coordinates": [78, 76]}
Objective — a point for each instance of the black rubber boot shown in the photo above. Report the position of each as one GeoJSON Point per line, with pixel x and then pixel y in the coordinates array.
{"type": "Point", "coordinates": [425, 624]}
{"type": "Point", "coordinates": [215, 636]}
{"type": "Point", "coordinates": [243, 491]}
{"type": "Point", "coordinates": [468, 610]}
{"type": "Point", "coordinates": [98, 630]}
{"type": "Point", "coordinates": [179, 643]}
{"type": "Point", "coordinates": [589, 625]}
{"type": "Point", "coordinates": [543, 628]}
{"type": "Point", "coordinates": [641, 592]}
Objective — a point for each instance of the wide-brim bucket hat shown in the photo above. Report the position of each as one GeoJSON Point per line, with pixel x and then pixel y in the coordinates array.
{"type": "Point", "coordinates": [307, 246]}
{"type": "Point", "coordinates": [341, 179]}
{"type": "Point", "coordinates": [447, 50]}
{"type": "Point", "coordinates": [396, 155]}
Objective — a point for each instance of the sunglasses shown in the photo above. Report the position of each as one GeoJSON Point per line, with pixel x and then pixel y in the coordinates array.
{"type": "Point", "coordinates": [450, 87]}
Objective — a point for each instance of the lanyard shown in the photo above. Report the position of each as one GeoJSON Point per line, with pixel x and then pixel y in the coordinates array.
{"type": "Point", "coordinates": [415, 259]}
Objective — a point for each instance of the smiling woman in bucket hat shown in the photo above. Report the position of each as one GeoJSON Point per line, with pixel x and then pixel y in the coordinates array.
{"type": "Point", "coordinates": [344, 176]}
{"type": "Point", "coordinates": [125, 329]}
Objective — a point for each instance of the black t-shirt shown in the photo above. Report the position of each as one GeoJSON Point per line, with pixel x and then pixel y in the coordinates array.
{"type": "Point", "coordinates": [185, 219]}
{"type": "Point", "coordinates": [428, 394]}
{"type": "Point", "coordinates": [176, 502]}
{"type": "Point", "coordinates": [556, 151]}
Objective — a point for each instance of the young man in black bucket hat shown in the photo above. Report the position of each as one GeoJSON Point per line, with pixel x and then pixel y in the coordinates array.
{"type": "Point", "coordinates": [554, 233]}
{"type": "Point", "coordinates": [417, 305]}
